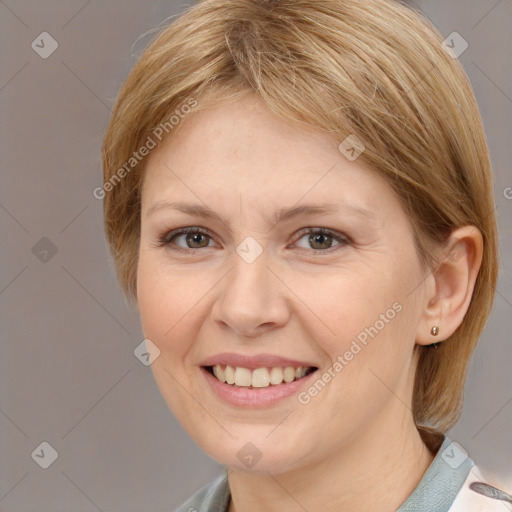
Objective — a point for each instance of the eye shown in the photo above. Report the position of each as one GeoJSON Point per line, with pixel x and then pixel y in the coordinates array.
{"type": "Point", "coordinates": [193, 238]}
{"type": "Point", "coordinates": [321, 239]}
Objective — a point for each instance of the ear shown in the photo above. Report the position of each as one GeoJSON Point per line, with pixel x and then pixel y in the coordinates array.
{"type": "Point", "coordinates": [453, 281]}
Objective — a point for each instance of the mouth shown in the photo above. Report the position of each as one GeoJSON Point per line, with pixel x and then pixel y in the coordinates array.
{"type": "Point", "coordinates": [264, 377]}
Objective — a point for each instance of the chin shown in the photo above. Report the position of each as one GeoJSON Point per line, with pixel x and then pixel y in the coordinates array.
{"type": "Point", "coordinates": [256, 454]}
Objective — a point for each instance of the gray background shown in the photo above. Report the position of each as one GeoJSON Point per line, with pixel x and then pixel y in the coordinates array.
{"type": "Point", "coordinates": [68, 373]}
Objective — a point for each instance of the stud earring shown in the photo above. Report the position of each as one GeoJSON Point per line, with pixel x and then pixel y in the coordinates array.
{"type": "Point", "coordinates": [434, 331]}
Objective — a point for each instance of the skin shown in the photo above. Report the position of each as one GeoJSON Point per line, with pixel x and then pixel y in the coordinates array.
{"type": "Point", "coordinates": [355, 445]}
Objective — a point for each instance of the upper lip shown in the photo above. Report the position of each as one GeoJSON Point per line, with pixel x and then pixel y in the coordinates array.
{"type": "Point", "coordinates": [252, 362]}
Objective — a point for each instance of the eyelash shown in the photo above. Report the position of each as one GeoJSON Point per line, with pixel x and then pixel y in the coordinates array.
{"type": "Point", "coordinates": [165, 239]}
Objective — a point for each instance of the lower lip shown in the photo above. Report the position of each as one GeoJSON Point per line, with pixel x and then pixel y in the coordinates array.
{"type": "Point", "coordinates": [254, 397]}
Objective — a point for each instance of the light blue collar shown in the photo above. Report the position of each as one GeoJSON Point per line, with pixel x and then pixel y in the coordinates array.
{"type": "Point", "coordinates": [442, 482]}
{"type": "Point", "coordinates": [436, 491]}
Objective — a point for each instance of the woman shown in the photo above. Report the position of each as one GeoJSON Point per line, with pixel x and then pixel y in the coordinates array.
{"type": "Point", "coordinates": [298, 198]}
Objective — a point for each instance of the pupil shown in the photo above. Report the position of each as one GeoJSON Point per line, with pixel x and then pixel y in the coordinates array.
{"type": "Point", "coordinates": [315, 237]}
{"type": "Point", "coordinates": [195, 237]}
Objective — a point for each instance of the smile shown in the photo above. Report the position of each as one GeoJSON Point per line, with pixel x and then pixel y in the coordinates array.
{"type": "Point", "coordinates": [258, 377]}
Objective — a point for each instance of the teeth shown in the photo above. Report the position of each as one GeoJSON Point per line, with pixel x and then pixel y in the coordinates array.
{"type": "Point", "coordinates": [229, 372]}
{"type": "Point", "coordinates": [243, 377]}
{"type": "Point", "coordinates": [289, 374]}
{"type": "Point", "coordinates": [259, 377]}
{"type": "Point", "coordinates": [219, 373]}
{"type": "Point", "coordinates": [276, 375]}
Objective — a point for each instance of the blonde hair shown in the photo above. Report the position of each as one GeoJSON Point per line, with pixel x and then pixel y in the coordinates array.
{"type": "Point", "coordinates": [373, 69]}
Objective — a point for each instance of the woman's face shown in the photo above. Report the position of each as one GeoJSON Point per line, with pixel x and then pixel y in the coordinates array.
{"type": "Point", "coordinates": [252, 292]}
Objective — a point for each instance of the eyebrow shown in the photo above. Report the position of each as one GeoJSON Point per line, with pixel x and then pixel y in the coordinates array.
{"type": "Point", "coordinates": [281, 215]}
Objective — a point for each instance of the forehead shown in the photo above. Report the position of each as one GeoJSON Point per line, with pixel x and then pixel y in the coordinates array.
{"type": "Point", "coordinates": [242, 152]}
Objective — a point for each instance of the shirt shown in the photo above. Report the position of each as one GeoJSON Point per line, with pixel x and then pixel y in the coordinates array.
{"type": "Point", "coordinates": [443, 488]}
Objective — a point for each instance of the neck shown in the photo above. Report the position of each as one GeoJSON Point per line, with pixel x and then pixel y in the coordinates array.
{"type": "Point", "coordinates": [376, 471]}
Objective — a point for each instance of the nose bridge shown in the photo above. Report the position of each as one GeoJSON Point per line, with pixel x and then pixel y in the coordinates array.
{"type": "Point", "coordinates": [249, 297]}
{"type": "Point", "coordinates": [248, 283]}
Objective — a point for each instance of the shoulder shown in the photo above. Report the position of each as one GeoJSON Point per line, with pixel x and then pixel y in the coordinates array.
{"type": "Point", "coordinates": [468, 500]}
{"type": "Point", "coordinates": [213, 497]}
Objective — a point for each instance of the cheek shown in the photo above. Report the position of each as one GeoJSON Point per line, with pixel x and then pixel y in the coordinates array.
{"type": "Point", "coordinates": [165, 303]}
{"type": "Point", "coordinates": [366, 321]}
{"type": "Point", "coordinates": [166, 315]}
{"type": "Point", "coordinates": [347, 303]}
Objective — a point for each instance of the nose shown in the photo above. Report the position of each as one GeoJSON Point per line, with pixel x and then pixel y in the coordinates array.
{"type": "Point", "coordinates": [252, 299]}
